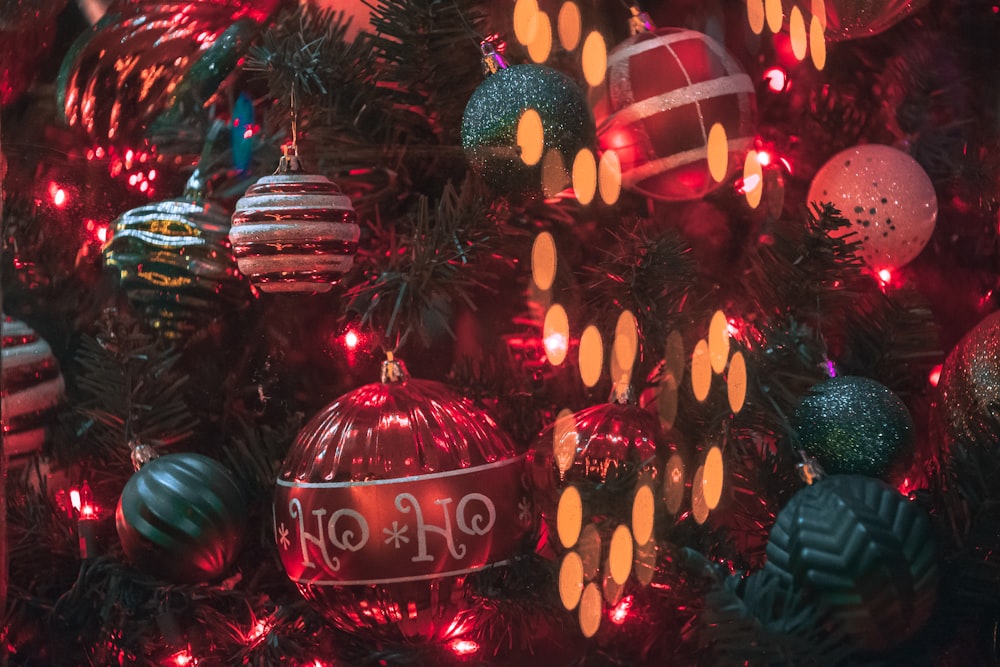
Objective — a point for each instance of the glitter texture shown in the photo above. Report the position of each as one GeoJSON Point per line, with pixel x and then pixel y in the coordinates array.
{"type": "Point", "coordinates": [853, 425]}
{"type": "Point", "coordinates": [489, 125]}
{"type": "Point", "coordinates": [970, 383]}
{"type": "Point", "coordinates": [886, 196]}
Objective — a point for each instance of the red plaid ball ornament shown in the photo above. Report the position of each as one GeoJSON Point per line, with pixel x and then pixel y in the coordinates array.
{"type": "Point", "coordinates": [663, 92]}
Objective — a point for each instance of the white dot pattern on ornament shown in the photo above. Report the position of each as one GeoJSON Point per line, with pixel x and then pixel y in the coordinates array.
{"type": "Point", "coordinates": [737, 82]}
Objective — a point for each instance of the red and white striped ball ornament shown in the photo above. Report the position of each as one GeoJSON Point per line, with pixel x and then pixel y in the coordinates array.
{"type": "Point", "coordinates": [32, 389]}
{"type": "Point", "coordinates": [294, 232]}
{"type": "Point", "coordinates": [663, 91]}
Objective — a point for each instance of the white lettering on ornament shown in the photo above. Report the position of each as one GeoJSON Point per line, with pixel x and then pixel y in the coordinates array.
{"type": "Point", "coordinates": [295, 511]}
{"type": "Point", "coordinates": [470, 519]}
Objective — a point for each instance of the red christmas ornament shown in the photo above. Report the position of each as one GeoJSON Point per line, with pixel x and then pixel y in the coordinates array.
{"type": "Point", "coordinates": [145, 59]}
{"type": "Point", "coordinates": [663, 92]}
{"type": "Point", "coordinates": [389, 498]}
{"type": "Point", "coordinates": [294, 232]}
{"type": "Point", "coordinates": [32, 389]}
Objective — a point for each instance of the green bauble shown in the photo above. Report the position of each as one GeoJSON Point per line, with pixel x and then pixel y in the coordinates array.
{"type": "Point", "coordinates": [492, 115]}
{"type": "Point", "coordinates": [853, 425]}
{"type": "Point", "coordinates": [863, 553]}
{"type": "Point", "coordinates": [174, 262]}
{"type": "Point", "coordinates": [181, 517]}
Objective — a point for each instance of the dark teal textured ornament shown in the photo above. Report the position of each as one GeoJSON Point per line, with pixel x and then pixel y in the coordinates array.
{"type": "Point", "coordinates": [863, 553]}
{"type": "Point", "coordinates": [490, 121]}
{"type": "Point", "coordinates": [181, 517]}
{"type": "Point", "coordinates": [853, 424]}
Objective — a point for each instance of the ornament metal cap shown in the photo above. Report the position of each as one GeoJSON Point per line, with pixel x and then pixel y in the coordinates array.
{"type": "Point", "coordinates": [393, 370]}
{"type": "Point", "coordinates": [289, 162]}
{"type": "Point", "coordinates": [639, 21]}
{"type": "Point", "coordinates": [142, 454]}
{"type": "Point", "coordinates": [493, 62]}
{"type": "Point", "coordinates": [622, 393]}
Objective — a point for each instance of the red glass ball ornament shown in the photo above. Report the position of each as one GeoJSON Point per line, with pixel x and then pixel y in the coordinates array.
{"type": "Point", "coordinates": [144, 59]}
{"type": "Point", "coordinates": [592, 447]}
{"type": "Point", "coordinates": [389, 498]}
{"type": "Point", "coordinates": [663, 92]}
{"type": "Point", "coordinates": [27, 31]}
{"type": "Point", "coordinates": [32, 389]}
{"type": "Point", "coordinates": [294, 232]}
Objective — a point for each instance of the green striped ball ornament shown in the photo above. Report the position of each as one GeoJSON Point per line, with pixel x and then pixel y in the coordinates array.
{"type": "Point", "coordinates": [181, 517]}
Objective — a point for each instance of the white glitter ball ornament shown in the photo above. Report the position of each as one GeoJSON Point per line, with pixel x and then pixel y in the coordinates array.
{"type": "Point", "coordinates": [886, 196]}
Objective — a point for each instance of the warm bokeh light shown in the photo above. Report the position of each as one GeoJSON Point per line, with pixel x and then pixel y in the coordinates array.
{"type": "Point", "coordinates": [753, 179]}
{"type": "Point", "coordinates": [540, 45]}
{"type": "Point", "coordinates": [591, 356]}
{"type": "Point", "coordinates": [736, 382]}
{"type": "Point", "coordinates": [626, 342]}
{"type": "Point", "coordinates": [712, 475]}
{"type": "Point", "coordinates": [609, 177]}
{"type": "Point", "coordinates": [699, 509]}
{"type": "Point", "coordinates": [674, 356]}
{"type": "Point", "coordinates": [797, 33]}
{"type": "Point", "coordinates": [590, 610]}
{"type": "Point", "coordinates": [818, 10]}
{"type": "Point", "coordinates": [620, 554]}
{"type": "Point", "coordinates": [718, 152]}
{"type": "Point", "coordinates": [773, 14]}
{"type": "Point", "coordinates": [58, 195]}
{"type": "Point", "coordinates": [755, 16]}
{"type": "Point", "coordinates": [584, 176]}
{"type": "Point", "coordinates": [645, 563]}
{"type": "Point", "coordinates": [555, 334]}
{"type": "Point", "coordinates": [530, 137]}
{"type": "Point", "coordinates": [701, 370]}
{"type": "Point", "coordinates": [564, 441]}
{"type": "Point", "coordinates": [544, 261]}
{"type": "Point", "coordinates": [570, 580]}
{"type": "Point", "coordinates": [568, 25]}
{"type": "Point", "coordinates": [525, 20]}
{"type": "Point", "coordinates": [594, 59]}
{"type": "Point", "coordinates": [817, 43]}
{"type": "Point", "coordinates": [569, 516]}
{"type": "Point", "coordinates": [667, 400]}
{"type": "Point", "coordinates": [718, 341]}
{"type": "Point", "coordinates": [673, 483]}
{"type": "Point", "coordinates": [642, 514]}
{"type": "Point", "coordinates": [589, 548]}
{"type": "Point", "coordinates": [555, 177]}
{"type": "Point", "coordinates": [935, 375]}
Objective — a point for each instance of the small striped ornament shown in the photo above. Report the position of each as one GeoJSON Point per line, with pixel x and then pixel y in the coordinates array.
{"type": "Point", "coordinates": [174, 262]}
{"type": "Point", "coordinates": [294, 232]}
{"type": "Point", "coordinates": [663, 92]}
{"type": "Point", "coordinates": [32, 389]}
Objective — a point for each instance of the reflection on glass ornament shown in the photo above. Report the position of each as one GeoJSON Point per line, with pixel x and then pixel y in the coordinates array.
{"type": "Point", "coordinates": [664, 91]}
{"type": "Point", "coordinates": [27, 31]}
{"type": "Point", "coordinates": [294, 232]}
{"type": "Point", "coordinates": [32, 390]}
{"type": "Point", "coordinates": [885, 195]}
{"type": "Point", "coordinates": [389, 498]}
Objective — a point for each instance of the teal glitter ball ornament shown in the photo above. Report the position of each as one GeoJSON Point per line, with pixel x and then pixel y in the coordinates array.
{"type": "Point", "coordinates": [853, 424]}
{"type": "Point", "coordinates": [861, 552]}
{"type": "Point", "coordinates": [181, 517]}
{"type": "Point", "coordinates": [495, 111]}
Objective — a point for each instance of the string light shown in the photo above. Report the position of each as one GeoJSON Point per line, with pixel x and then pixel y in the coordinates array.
{"type": "Point", "coordinates": [935, 375]}
{"type": "Point", "coordinates": [776, 78]}
{"type": "Point", "coordinates": [621, 611]}
{"type": "Point", "coordinates": [351, 340]}
{"type": "Point", "coordinates": [463, 647]}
